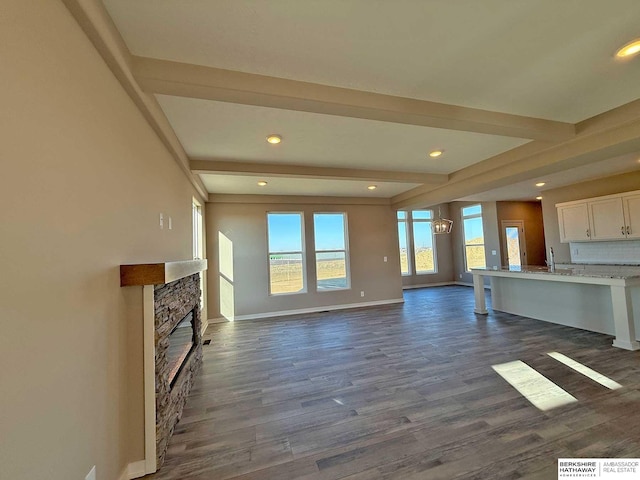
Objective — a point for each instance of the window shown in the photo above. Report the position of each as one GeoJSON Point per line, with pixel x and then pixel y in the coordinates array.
{"type": "Point", "coordinates": [196, 210]}
{"type": "Point", "coordinates": [474, 256]}
{"type": "Point", "coordinates": [198, 243]}
{"type": "Point", "coordinates": [423, 241]}
{"type": "Point", "coordinates": [286, 253]}
{"type": "Point", "coordinates": [403, 238]}
{"type": "Point", "coordinates": [415, 235]}
{"type": "Point", "coordinates": [332, 263]}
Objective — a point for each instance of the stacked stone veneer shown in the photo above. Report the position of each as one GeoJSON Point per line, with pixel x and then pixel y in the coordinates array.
{"type": "Point", "coordinates": [172, 302]}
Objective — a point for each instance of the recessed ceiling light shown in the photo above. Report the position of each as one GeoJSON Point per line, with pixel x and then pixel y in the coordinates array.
{"type": "Point", "coordinates": [274, 139]}
{"type": "Point", "coordinates": [538, 198]}
{"type": "Point", "coordinates": [262, 183]}
{"type": "Point", "coordinates": [372, 187]}
{"type": "Point", "coordinates": [540, 184]}
{"type": "Point", "coordinates": [629, 49]}
{"type": "Point", "coordinates": [436, 153]}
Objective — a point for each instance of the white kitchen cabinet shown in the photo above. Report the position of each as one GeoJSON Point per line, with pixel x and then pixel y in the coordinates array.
{"type": "Point", "coordinates": [631, 206]}
{"type": "Point", "coordinates": [613, 217]}
{"type": "Point", "coordinates": [607, 219]}
{"type": "Point", "coordinates": [574, 223]}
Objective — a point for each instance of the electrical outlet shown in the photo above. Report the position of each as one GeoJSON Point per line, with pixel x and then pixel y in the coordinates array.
{"type": "Point", "coordinates": [362, 293]}
{"type": "Point", "coordinates": [493, 252]}
{"type": "Point", "coordinates": [460, 275]}
{"type": "Point", "coordinates": [92, 474]}
{"type": "Point", "coordinates": [385, 258]}
{"type": "Point", "coordinates": [161, 221]}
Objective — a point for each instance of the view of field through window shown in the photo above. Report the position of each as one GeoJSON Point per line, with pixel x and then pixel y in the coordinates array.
{"type": "Point", "coordinates": [331, 251]}
{"type": "Point", "coordinates": [423, 241]}
{"type": "Point", "coordinates": [421, 233]}
{"type": "Point", "coordinates": [287, 256]}
{"type": "Point", "coordinates": [473, 237]}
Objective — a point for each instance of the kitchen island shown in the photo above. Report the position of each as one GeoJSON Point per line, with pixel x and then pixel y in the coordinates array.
{"type": "Point", "coordinates": [601, 300]}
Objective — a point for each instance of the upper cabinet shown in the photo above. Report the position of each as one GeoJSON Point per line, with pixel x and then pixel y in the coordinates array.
{"type": "Point", "coordinates": [574, 223]}
{"type": "Point", "coordinates": [614, 217]}
{"type": "Point", "coordinates": [607, 219]}
{"type": "Point", "coordinates": [631, 206]}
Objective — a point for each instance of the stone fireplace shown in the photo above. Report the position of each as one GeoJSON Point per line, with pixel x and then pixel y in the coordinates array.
{"type": "Point", "coordinates": [172, 345]}
{"type": "Point", "coordinates": [177, 318]}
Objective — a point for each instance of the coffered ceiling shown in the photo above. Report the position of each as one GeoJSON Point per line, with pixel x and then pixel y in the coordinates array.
{"type": "Point", "coordinates": [362, 91]}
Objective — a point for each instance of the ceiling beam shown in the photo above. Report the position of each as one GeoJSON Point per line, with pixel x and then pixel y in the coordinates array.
{"type": "Point", "coordinates": [195, 81]}
{"type": "Point", "coordinates": [608, 135]}
{"type": "Point", "coordinates": [296, 199]}
{"type": "Point", "coordinates": [298, 171]}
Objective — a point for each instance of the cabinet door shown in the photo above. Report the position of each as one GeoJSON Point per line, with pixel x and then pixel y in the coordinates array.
{"type": "Point", "coordinates": [574, 223]}
{"type": "Point", "coordinates": [632, 215]}
{"type": "Point", "coordinates": [607, 219]}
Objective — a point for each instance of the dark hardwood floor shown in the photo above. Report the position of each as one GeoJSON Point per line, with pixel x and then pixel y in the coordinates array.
{"type": "Point", "coordinates": [398, 392]}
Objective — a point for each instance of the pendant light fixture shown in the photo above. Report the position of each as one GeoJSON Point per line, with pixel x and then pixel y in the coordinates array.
{"type": "Point", "coordinates": [442, 225]}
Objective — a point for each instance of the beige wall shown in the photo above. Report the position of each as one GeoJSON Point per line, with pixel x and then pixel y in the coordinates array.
{"type": "Point", "coordinates": [444, 257]}
{"type": "Point", "coordinates": [372, 235]}
{"type": "Point", "coordinates": [595, 188]}
{"type": "Point", "coordinates": [530, 213]}
{"type": "Point", "coordinates": [83, 181]}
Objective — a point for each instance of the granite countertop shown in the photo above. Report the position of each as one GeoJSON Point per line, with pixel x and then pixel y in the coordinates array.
{"type": "Point", "coordinates": [603, 271]}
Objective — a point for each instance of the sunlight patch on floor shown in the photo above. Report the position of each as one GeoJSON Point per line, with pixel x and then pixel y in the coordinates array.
{"type": "Point", "coordinates": [586, 371]}
{"type": "Point", "coordinates": [539, 390]}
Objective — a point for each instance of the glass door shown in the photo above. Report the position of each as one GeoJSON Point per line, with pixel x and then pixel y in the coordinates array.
{"type": "Point", "coordinates": [514, 245]}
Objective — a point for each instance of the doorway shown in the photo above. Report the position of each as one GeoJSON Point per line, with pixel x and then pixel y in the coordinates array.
{"type": "Point", "coordinates": [514, 246]}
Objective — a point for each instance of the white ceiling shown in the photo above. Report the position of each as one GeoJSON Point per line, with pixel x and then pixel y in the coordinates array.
{"type": "Point", "coordinates": [546, 59]}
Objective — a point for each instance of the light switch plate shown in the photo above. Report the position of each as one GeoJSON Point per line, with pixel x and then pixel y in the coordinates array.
{"type": "Point", "coordinates": [92, 474]}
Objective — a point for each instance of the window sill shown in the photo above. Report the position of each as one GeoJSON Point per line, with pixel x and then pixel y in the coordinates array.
{"type": "Point", "coordinates": [282, 294]}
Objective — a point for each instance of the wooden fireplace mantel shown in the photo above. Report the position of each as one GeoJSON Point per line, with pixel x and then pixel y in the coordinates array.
{"type": "Point", "coordinates": [159, 273]}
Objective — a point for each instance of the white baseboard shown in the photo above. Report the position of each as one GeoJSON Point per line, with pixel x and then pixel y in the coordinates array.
{"type": "Point", "coordinates": [300, 311]}
{"type": "Point", "coordinates": [205, 324]}
{"type": "Point", "coordinates": [133, 470]}
{"type": "Point", "coordinates": [465, 284]}
{"type": "Point", "coordinates": [427, 285]}
{"type": "Point", "coordinates": [136, 469]}
{"type": "Point", "coordinates": [217, 320]}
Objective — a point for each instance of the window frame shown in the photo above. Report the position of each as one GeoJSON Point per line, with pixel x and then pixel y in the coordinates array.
{"type": "Point", "coordinates": [407, 242]}
{"type": "Point", "coordinates": [345, 232]}
{"type": "Point", "coordinates": [197, 230]}
{"type": "Point", "coordinates": [464, 239]}
{"type": "Point", "coordinates": [302, 253]}
{"type": "Point", "coordinates": [415, 221]}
